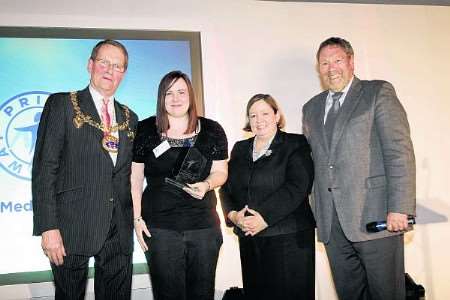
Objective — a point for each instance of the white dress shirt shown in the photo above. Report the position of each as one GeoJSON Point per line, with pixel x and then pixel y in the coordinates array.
{"type": "Point", "coordinates": [98, 102]}
{"type": "Point", "coordinates": [329, 102]}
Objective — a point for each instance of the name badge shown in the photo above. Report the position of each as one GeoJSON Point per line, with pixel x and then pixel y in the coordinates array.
{"type": "Point", "coordinates": [161, 148]}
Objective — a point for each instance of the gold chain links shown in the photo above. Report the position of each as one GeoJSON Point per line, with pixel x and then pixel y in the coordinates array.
{"type": "Point", "coordinates": [80, 118]}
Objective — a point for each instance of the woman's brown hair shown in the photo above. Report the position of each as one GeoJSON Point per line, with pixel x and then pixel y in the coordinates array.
{"type": "Point", "coordinates": [162, 121]}
{"type": "Point", "coordinates": [272, 103]}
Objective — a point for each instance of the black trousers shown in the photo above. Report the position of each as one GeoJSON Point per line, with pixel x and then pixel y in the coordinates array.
{"type": "Point", "coordinates": [183, 264]}
{"type": "Point", "coordinates": [279, 267]}
{"type": "Point", "coordinates": [113, 272]}
{"type": "Point", "coordinates": [369, 270]}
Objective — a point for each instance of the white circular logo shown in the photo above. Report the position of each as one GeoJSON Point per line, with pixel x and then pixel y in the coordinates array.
{"type": "Point", "coordinates": [19, 121]}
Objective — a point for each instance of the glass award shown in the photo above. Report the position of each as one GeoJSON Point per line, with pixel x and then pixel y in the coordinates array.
{"type": "Point", "coordinates": [191, 169]}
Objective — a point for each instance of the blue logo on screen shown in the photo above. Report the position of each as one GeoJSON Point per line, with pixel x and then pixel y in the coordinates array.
{"type": "Point", "coordinates": [19, 121]}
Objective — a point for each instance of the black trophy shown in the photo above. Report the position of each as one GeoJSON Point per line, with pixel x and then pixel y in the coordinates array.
{"type": "Point", "coordinates": [191, 169]}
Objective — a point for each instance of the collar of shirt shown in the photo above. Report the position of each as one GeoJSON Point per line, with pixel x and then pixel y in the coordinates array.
{"type": "Point", "coordinates": [98, 102]}
{"type": "Point", "coordinates": [329, 102]}
{"type": "Point", "coordinates": [256, 155]}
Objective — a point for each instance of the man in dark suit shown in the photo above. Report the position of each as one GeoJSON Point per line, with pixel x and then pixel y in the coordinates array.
{"type": "Point", "coordinates": [365, 171]}
{"type": "Point", "coordinates": [80, 181]}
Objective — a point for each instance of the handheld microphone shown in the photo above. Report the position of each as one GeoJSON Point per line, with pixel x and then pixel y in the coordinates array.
{"type": "Point", "coordinates": [381, 225]}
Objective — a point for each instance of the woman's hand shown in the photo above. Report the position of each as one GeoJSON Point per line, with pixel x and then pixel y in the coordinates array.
{"type": "Point", "coordinates": [237, 217]}
{"type": "Point", "coordinates": [198, 189]}
{"type": "Point", "coordinates": [254, 224]}
{"type": "Point", "coordinates": [139, 227]}
{"type": "Point", "coordinates": [217, 176]}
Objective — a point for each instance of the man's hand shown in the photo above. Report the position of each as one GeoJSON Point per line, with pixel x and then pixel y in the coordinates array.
{"type": "Point", "coordinates": [53, 247]}
{"type": "Point", "coordinates": [397, 222]}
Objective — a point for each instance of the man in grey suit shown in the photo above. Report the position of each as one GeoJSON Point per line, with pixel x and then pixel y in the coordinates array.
{"type": "Point", "coordinates": [364, 172]}
{"type": "Point", "coordinates": [81, 182]}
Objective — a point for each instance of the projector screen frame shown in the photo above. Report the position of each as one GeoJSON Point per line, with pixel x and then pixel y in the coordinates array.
{"type": "Point", "coordinates": [194, 39]}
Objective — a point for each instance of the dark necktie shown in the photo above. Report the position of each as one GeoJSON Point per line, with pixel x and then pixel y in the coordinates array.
{"type": "Point", "coordinates": [332, 115]}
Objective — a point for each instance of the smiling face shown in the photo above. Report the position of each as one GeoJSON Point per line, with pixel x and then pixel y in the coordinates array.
{"type": "Point", "coordinates": [336, 67]}
{"type": "Point", "coordinates": [177, 99]}
{"type": "Point", "coordinates": [263, 119]}
{"type": "Point", "coordinates": [105, 78]}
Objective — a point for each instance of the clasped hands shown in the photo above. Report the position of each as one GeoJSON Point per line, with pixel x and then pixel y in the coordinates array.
{"type": "Point", "coordinates": [248, 220]}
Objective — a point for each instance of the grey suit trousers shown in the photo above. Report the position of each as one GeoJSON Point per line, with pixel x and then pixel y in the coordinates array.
{"type": "Point", "coordinates": [368, 270]}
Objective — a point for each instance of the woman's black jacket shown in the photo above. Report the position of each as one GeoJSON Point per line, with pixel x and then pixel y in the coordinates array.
{"type": "Point", "coordinates": [276, 185]}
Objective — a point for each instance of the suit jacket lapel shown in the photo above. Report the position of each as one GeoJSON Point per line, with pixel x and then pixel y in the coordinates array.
{"type": "Point", "coordinates": [277, 141]}
{"type": "Point", "coordinates": [351, 101]}
{"type": "Point", "coordinates": [123, 138]}
{"type": "Point", "coordinates": [248, 155]}
{"type": "Point", "coordinates": [248, 147]}
{"type": "Point", "coordinates": [317, 118]}
{"type": "Point", "coordinates": [87, 107]}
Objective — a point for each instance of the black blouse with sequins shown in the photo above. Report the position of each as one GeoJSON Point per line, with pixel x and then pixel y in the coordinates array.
{"type": "Point", "coordinates": [163, 205]}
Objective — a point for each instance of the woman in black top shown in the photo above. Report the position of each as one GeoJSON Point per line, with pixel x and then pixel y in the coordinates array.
{"type": "Point", "coordinates": [266, 200]}
{"type": "Point", "coordinates": [176, 226]}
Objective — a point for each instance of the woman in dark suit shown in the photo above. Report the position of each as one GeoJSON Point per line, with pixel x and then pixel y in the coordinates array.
{"type": "Point", "coordinates": [266, 200]}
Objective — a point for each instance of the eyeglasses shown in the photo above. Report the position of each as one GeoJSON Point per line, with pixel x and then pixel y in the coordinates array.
{"type": "Point", "coordinates": [104, 63]}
